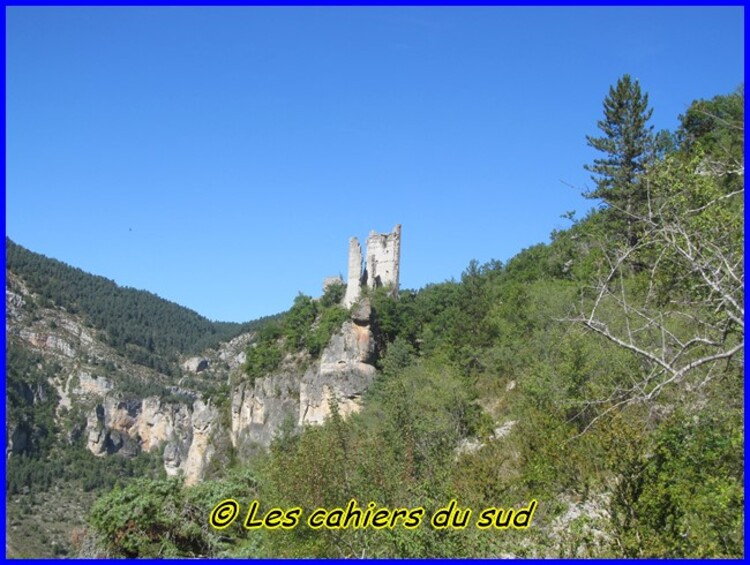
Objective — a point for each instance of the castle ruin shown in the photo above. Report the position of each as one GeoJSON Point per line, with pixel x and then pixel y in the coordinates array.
{"type": "Point", "coordinates": [381, 265]}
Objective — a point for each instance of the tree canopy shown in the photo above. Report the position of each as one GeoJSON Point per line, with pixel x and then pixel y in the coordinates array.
{"type": "Point", "coordinates": [627, 145]}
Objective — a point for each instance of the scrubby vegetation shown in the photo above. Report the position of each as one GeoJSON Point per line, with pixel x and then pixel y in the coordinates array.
{"type": "Point", "coordinates": [600, 375]}
{"type": "Point", "coordinates": [307, 326]}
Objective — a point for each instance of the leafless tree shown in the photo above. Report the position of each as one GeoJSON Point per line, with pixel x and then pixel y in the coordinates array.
{"type": "Point", "coordinates": [684, 315]}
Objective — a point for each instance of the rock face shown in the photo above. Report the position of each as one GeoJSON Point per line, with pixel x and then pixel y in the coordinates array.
{"type": "Point", "coordinates": [111, 428]}
{"type": "Point", "coordinates": [48, 342]}
{"type": "Point", "coordinates": [89, 376]}
{"type": "Point", "coordinates": [345, 369]}
{"type": "Point", "coordinates": [344, 372]}
{"type": "Point", "coordinates": [260, 409]}
{"type": "Point", "coordinates": [128, 427]}
{"type": "Point", "coordinates": [91, 385]}
{"type": "Point", "coordinates": [204, 423]}
{"type": "Point", "coordinates": [362, 312]}
{"type": "Point", "coordinates": [159, 422]}
{"type": "Point", "coordinates": [195, 364]}
{"type": "Point", "coordinates": [232, 353]}
{"type": "Point", "coordinates": [382, 264]}
{"type": "Point", "coordinates": [86, 376]}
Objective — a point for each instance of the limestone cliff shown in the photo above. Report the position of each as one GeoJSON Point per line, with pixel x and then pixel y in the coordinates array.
{"type": "Point", "coordinates": [88, 379]}
{"type": "Point", "coordinates": [187, 426]}
{"type": "Point", "coordinates": [303, 397]}
{"type": "Point", "coordinates": [345, 371]}
{"type": "Point", "coordinates": [80, 383]}
{"type": "Point", "coordinates": [259, 409]}
{"type": "Point", "coordinates": [128, 427]}
{"type": "Point", "coordinates": [117, 407]}
{"type": "Point", "coordinates": [204, 425]}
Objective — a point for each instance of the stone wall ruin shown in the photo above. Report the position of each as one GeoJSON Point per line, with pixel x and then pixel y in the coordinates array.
{"type": "Point", "coordinates": [380, 267]}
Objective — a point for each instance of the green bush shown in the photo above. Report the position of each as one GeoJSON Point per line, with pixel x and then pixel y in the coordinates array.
{"type": "Point", "coordinates": [333, 295]}
{"type": "Point", "coordinates": [262, 358]}
{"type": "Point", "coordinates": [681, 494]}
{"type": "Point", "coordinates": [307, 326]}
{"type": "Point", "coordinates": [330, 321]}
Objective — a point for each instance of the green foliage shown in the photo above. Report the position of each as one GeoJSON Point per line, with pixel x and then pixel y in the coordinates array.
{"type": "Point", "coordinates": [270, 332]}
{"type": "Point", "coordinates": [329, 322]}
{"type": "Point", "coordinates": [78, 466]}
{"type": "Point", "coordinates": [680, 493]}
{"type": "Point", "coordinates": [550, 409]}
{"type": "Point", "coordinates": [628, 148]}
{"type": "Point", "coordinates": [333, 295]}
{"type": "Point", "coordinates": [396, 453]}
{"type": "Point", "coordinates": [298, 322]}
{"type": "Point", "coordinates": [149, 519]}
{"type": "Point", "coordinates": [148, 330]}
{"type": "Point", "coordinates": [265, 355]}
{"type": "Point", "coordinates": [31, 400]}
{"type": "Point", "coordinates": [398, 356]}
{"type": "Point", "coordinates": [716, 127]}
{"type": "Point", "coordinates": [134, 388]}
{"type": "Point", "coordinates": [262, 358]}
{"type": "Point", "coordinates": [626, 143]}
{"type": "Point", "coordinates": [162, 519]}
{"type": "Point", "coordinates": [307, 326]}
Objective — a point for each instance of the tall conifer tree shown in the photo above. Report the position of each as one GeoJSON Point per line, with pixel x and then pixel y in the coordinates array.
{"type": "Point", "coordinates": [627, 146]}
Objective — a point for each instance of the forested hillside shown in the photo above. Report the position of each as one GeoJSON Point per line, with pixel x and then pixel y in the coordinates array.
{"type": "Point", "coordinates": [600, 375]}
{"type": "Point", "coordinates": [147, 329]}
{"type": "Point", "coordinates": [595, 380]}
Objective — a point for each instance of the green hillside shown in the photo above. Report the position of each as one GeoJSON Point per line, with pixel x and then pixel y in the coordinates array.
{"type": "Point", "coordinates": [147, 329]}
{"type": "Point", "coordinates": [595, 382]}
{"type": "Point", "coordinates": [602, 371]}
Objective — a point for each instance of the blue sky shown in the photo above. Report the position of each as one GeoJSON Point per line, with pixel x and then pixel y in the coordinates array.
{"type": "Point", "coordinates": [222, 157]}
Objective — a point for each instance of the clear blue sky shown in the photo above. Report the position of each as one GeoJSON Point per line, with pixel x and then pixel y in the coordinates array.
{"type": "Point", "coordinates": [222, 157]}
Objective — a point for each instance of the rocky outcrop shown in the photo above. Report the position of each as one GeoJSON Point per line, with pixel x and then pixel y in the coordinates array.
{"type": "Point", "coordinates": [345, 370]}
{"type": "Point", "coordinates": [89, 384]}
{"type": "Point", "coordinates": [472, 445]}
{"type": "Point", "coordinates": [227, 357]}
{"type": "Point", "coordinates": [48, 342]}
{"type": "Point", "coordinates": [14, 303]}
{"type": "Point", "coordinates": [587, 521]}
{"type": "Point", "coordinates": [158, 423]}
{"type": "Point", "coordinates": [88, 374]}
{"type": "Point", "coordinates": [127, 427]}
{"type": "Point", "coordinates": [362, 312]}
{"type": "Point", "coordinates": [195, 364]}
{"type": "Point", "coordinates": [111, 428]}
{"type": "Point", "coordinates": [260, 409]}
{"type": "Point", "coordinates": [233, 352]}
{"type": "Point", "coordinates": [344, 373]}
{"type": "Point", "coordinates": [204, 423]}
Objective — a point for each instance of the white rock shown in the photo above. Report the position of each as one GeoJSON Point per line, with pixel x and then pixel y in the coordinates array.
{"type": "Point", "coordinates": [195, 364]}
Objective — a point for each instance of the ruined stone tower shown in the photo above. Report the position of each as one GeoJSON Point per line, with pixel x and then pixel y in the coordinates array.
{"type": "Point", "coordinates": [381, 265]}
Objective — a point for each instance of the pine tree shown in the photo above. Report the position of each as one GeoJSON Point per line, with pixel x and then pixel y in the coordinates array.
{"type": "Point", "coordinates": [627, 144]}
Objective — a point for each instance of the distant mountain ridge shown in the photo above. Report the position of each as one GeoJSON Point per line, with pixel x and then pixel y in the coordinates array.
{"type": "Point", "coordinates": [148, 330]}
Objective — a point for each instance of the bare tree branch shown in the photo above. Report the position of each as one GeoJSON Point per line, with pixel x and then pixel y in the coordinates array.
{"type": "Point", "coordinates": [688, 315]}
